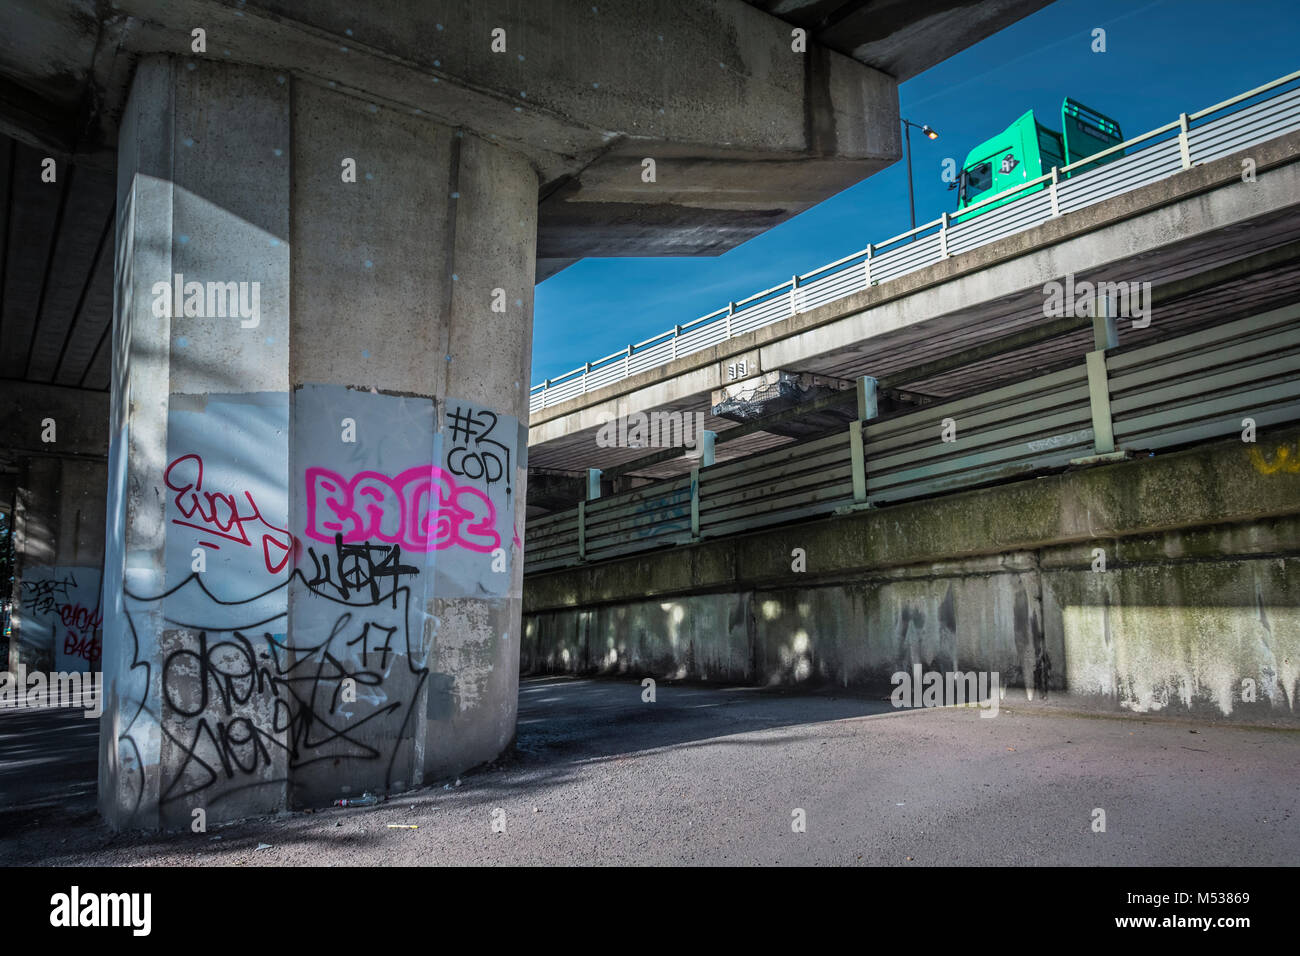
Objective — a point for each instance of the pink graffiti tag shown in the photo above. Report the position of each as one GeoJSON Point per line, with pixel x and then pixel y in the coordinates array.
{"type": "Point", "coordinates": [374, 507]}
{"type": "Point", "coordinates": [219, 515]}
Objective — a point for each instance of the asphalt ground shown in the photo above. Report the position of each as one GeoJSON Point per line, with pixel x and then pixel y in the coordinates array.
{"type": "Point", "coordinates": [719, 775]}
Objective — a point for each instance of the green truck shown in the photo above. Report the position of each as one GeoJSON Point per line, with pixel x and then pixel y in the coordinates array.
{"type": "Point", "coordinates": [1027, 149]}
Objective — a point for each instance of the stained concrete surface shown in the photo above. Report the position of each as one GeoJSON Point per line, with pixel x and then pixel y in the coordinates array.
{"type": "Point", "coordinates": [711, 775]}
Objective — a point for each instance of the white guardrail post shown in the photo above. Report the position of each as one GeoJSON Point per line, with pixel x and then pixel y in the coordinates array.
{"type": "Point", "coordinates": [677, 331]}
{"type": "Point", "coordinates": [731, 310]}
{"type": "Point", "coordinates": [1184, 145]}
{"type": "Point", "coordinates": [627, 362]}
{"type": "Point", "coordinates": [1056, 201]}
{"type": "Point", "coordinates": [866, 266]}
{"type": "Point", "coordinates": [586, 370]}
{"type": "Point", "coordinates": [943, 236]}
{"type": "Point", "coordinates": [794, 293]}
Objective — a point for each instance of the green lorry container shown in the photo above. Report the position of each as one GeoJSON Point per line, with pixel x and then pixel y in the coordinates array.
{"type": "Point", "coordinates": [1027, 149]}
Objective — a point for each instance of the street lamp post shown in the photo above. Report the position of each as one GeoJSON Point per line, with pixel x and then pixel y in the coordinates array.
{"type": "Point", "coordinates": [907, 137]}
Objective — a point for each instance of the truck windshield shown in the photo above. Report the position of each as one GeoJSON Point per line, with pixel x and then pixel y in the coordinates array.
{"type": "Point", "coordinates": [977, 179]}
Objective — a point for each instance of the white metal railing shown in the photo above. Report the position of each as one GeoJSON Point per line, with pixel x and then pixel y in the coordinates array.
{"type": "Point", "coordinates": [1151, 396]}
{"type": "Point", "coordinates": [955, 233]}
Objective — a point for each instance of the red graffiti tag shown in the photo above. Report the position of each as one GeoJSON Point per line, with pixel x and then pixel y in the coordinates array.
{"type": "Point", "coordinates": [87, 646]}
{"type": "Point", "coordinates": [82, 619]}
{"type": "Point", "coordinates": [219, 514]}
{"type": "Point", "coordinates": [422, 509]}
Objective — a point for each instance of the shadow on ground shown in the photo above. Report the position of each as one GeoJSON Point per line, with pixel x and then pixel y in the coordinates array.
{"type": "Point", "coordinates": [48, 757]}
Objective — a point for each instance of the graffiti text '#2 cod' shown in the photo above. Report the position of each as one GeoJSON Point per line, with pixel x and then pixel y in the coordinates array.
{"type": "Point", "coordinates": [208, 300]}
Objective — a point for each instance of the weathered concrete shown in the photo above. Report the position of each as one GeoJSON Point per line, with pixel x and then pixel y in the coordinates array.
{"type": "Point", "coordinates": [80, 418]}
{"type": "Point", "coordinates": [1195, 610]}
{"type": "Point", "coordinates": [328, 497]}
{"type": "Point", "coordinates": [901, 37]}
{"type": "Point", "coordinates": [748, 126]}
{"type": "Point", "coordinates": [484, 136]}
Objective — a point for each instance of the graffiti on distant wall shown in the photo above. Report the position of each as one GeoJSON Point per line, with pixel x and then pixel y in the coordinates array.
{"type": "Point", "coordinates": [1280, 462]}
{"type": "Point", "coordinates": [60, 614]}
{"type": "Point", "coordinates": [665, 514]}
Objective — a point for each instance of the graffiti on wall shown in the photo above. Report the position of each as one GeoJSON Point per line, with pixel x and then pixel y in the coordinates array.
{"type": "Point", "coordinates": [223, 517]}
{"type": "Point", "coordinates": [60, 614]}
{"type": "Point", "coordinates": [483, 451]}
{"type": "Point", "coordinates": [665, 514]}
{"type": "Point", "coordinates": [298, 656]}
{"type": "Point", "coordinates": [422, 509]}
{"type": "Point", "coordinates": [247, 707]}
{"type": "Point", "coordinates": [474, 453]}
{"type": "Point", "coordinates": [1281, 461]}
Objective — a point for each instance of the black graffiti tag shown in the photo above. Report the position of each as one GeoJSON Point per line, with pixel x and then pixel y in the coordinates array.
{"type": "Point", "coordinates": [474, 455]}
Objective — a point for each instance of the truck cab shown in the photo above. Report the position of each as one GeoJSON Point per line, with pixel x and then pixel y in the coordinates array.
{"type": "Point", "coordinates": [1027, 149]}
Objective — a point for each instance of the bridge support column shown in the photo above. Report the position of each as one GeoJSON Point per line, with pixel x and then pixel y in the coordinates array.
{"type": "Point", "coordinates": [322, 337]}
{"type": "Point", "coordinates": [57, 523]}
{"type": "Point", "coordinates": [52, 451]}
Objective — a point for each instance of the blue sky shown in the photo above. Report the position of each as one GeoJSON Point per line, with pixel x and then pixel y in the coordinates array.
{"type": "Point", "coordinates": [1162, 58]}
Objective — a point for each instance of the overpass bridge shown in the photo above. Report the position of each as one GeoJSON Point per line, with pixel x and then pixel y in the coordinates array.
{"type": "Point", "coordinates": [188, 473]}
{"type": "Point", "coordinates": [938, 309]}
{"type": "Point", "coordinates": [1103, 499]}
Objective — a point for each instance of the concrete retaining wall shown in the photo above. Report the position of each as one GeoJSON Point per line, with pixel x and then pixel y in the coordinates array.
{"type": "Point", "coordinates": [1202, 618]}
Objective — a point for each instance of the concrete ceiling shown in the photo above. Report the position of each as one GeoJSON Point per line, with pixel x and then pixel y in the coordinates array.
{"type": "Point", "coordinates": [899, 37]}
{"type": "Point", "coordinates": [66, 65]}
{"type": "Point", "coordinates": [56, 270]}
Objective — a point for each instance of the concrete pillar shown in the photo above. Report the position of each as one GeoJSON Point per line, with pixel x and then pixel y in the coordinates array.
{"type": "Point", "coordinates": [58, 537]}
{"type": "Point", "coordinates": [316, 505]}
